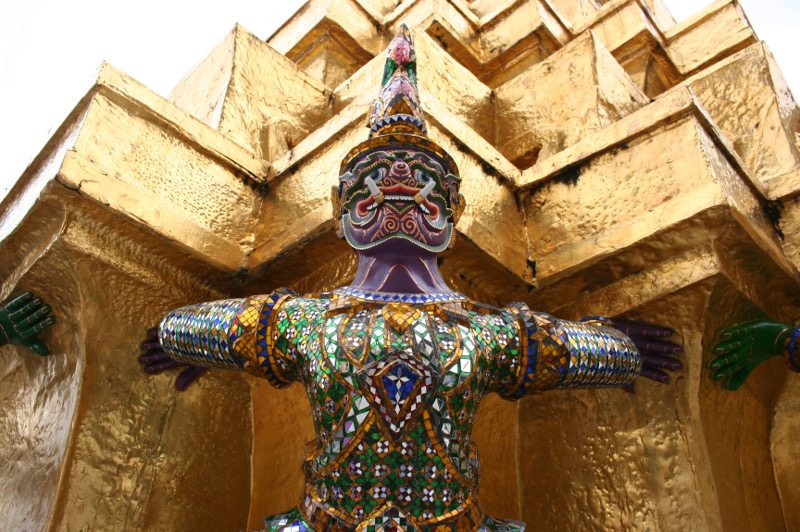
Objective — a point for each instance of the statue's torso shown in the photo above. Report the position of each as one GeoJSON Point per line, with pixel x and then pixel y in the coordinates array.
{"type": "Point", "coordinates": [395, 382]}
{"type": "Point", "coordinates": [394, 390]}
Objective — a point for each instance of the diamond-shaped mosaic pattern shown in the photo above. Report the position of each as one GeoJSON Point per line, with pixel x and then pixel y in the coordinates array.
{"type": "Point", "coordinates": [358, 411]}
{"type": "Point", "coordinates": [395, 386]}
{"type": "Point", "coordinates": [201, 334]}
{"type": "Point", "coordinates": [289, 522]}
{"type": "Point", "coordinates": [599, 356]}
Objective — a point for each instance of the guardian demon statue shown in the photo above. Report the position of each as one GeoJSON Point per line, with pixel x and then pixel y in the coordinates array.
{"type": "Point", "coordinates": [396, 364]}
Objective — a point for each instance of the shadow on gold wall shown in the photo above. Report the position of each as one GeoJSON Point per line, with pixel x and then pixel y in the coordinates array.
{"type": "Point", "coordinates": [738, 426]}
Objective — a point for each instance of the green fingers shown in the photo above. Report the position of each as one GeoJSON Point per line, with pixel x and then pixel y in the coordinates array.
{"type": "Point", "coordinates": [42, 322]}
{"type": "Point", "coordinates": [21, 321]}
{"type": "Point", "coordinates": [742, 348]}
{"type": "Point", "coordinates": [726, 366]}
{"type": "Point", "coordinates": [748, 329]}
{"type": "Point", "coordinates": [19, 302]}
{"type": "Point", "coordinates": [734, 346]}
{"type": "Point", "coordinates": [38, 347]}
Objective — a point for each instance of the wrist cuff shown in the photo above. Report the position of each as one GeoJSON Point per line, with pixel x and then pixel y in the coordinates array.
{"type": "Point", "coordinates": [790, 354]}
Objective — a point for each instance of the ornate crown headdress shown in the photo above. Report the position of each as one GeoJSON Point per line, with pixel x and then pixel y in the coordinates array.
{"type": "Point", "coordinates": [395, 116]}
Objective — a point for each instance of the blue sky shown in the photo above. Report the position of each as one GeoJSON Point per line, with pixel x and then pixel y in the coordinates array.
{"type": "Point", "coordinates": [51, 50]}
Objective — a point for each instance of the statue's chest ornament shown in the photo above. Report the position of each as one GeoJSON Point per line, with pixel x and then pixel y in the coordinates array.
{"type": "Point", "coordinates": [392, 356]}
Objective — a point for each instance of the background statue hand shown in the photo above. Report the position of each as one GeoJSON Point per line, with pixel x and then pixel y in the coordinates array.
{"type": "Point", "coordinates": [155, 360]}
{"type": "Point", "coordinates": [21, 321]}
{"type": "Point", "coordinates": [744, 347]}
{"type": "Point", "coordinates": [655, 350]}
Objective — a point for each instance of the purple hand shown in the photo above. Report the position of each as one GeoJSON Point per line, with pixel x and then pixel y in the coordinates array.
{"type": "Point", "coordinates": [155, 360]}
{"type": "Point", "coordinates": [649, 340]}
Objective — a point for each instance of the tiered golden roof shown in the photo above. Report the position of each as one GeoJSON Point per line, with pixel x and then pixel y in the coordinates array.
{"type": "Point", "coordinates": [614, 162]}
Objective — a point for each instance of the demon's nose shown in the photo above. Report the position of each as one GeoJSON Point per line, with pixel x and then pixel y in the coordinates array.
{"type": "Point", "coordinates": [400, 170]}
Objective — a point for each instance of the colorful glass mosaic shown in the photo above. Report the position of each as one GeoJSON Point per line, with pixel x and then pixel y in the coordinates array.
{"type": "Point", "coordinates": [203, 334]}
{"type": "Point", "coordinates": [791, 349]}
{"type": "Point", "coordinates": [395, 388]}
{"type": "Point", "coordinates": [395, 374]}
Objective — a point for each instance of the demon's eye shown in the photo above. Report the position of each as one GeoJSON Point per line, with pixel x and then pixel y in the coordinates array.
{"type": "Point", "coordinates": [421, 177]}
{"type": "Point", "coordinates": [377, 175]}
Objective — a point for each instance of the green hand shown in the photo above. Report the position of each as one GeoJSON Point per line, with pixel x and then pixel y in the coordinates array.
{"type": "Point", "coordinates": [22, 320]}
{"type": "Point", "coordinates": [744, 347]}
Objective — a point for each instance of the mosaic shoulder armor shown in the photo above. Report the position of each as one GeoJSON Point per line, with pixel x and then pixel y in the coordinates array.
{"type": "Point", "coordinates": [563, 354]}
{"type": "Point", "coordinates": [522, 351]}
{"type": "Point", "coordinates": [223, 334]}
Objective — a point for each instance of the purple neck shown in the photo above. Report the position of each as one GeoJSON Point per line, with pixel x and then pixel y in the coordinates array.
{"type": "Point", "coordinates": [399, 267]}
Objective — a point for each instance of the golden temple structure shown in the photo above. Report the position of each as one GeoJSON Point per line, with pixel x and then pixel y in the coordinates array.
{"type": "Point", "coordinates": [614, 162]}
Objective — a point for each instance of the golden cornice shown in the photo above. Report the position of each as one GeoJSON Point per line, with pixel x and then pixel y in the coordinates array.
{"type": "Point", "coordinates": [120, 87]}
{"type": "Point", "coordinates": [243, 253]}
{"type": "Point", "coordinates": [670, 108]}
{"type": "Point", "coordinates": [656, 191]}
{"type": "Point", "coordinates": [488, 45]}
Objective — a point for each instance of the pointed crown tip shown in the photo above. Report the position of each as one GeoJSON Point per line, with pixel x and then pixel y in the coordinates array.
{"type": "Point", "coordinates": [396, 114]}
{"type": "Point", "coordinates": [401, 49]}
{"type": "Point", "coordinates": [397, 106]}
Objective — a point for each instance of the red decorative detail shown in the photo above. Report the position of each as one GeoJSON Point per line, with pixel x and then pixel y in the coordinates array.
{"type": "Point", "coordinates": [401, 53]}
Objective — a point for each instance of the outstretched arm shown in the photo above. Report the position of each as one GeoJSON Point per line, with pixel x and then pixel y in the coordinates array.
{"type": "Point", "coordinates": [745, 346]}
{"type": "Point", "coordinates": [562, 354]}
{"type": "Point", "coordinates": [204, 334]}
{"type": "Point", "coordinates": [219, 334]}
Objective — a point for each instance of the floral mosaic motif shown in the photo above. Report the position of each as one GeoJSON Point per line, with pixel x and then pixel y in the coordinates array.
{"type": "Point", "coordinates": [395, 387]}
{"type": "Point", "coordinates": [398, 386]}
